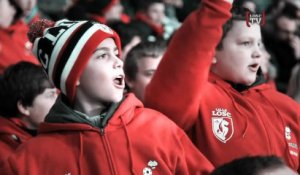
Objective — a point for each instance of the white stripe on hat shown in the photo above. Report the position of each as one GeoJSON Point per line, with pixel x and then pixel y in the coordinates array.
{"type": "Point", "coordinates": [74, 55]}
{"type": "Point", "coordinates": [58, 46]}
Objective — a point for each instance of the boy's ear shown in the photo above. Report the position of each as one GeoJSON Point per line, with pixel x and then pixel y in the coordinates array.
{"type": "Point", "coordinates": [23, 109]}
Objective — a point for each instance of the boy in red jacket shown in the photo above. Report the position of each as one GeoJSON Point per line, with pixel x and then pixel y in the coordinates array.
{"type": "Point", "coordinates": [26, 97]}
{"type": "Point", "coordinates": [92, 129]}
{"type": "Point", "coordinates": [219, 97]}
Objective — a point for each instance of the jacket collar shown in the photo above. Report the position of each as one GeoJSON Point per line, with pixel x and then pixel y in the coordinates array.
{"type": "Point", "coordinates": [62, 117]}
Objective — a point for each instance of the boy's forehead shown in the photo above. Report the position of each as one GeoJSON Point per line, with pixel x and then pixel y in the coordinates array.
{"type": "Point", "coordinates": [240, 29]}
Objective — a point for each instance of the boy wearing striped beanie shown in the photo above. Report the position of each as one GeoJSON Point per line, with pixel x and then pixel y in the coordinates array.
{"type": "Point", "coordinates": [92, 128]}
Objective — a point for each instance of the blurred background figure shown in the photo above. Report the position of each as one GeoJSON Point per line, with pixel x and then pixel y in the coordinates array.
{"type": "Point", "coordinates": [103, 11]}
{"type": "Point", "coordinates": [26, 98]}
{"type": "Point", "coordinates": [268, 69]}
{"type": "Point", "coordinates": [30, 10]}
{"type": "Point", "coordinates": [151, 19]}
{"type": "Point", "coordinates": [129, 35]}
{"type": "Point", "coordinates": [14, 44]}
{"type": "Point", "coordinates": [257, 165]}
{"type": "Point", "coordinates": [281, 37]}
{"type": "Point", "coordinates": [141, 64]}
{"type": "Point", "coordinates": [54, 9]}
{"type": "Point", "coordinates": [294, 83]}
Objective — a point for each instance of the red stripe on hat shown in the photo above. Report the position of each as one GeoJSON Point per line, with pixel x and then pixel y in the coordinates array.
{"type": "Point", "coordinates": [83, 59]}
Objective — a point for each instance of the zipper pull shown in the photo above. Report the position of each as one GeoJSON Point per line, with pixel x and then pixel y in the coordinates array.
{"type": "Point", "coordinates": [102, 131]}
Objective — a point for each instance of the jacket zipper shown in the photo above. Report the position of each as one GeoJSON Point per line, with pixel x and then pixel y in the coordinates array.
{"type": "Point", "coordinates": [108, 151]}
{"type": "Point", "coordinates": [268, 137]}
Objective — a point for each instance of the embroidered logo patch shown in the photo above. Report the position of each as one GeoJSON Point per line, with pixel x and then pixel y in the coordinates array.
{"type": "Point", "coordinates": [152, 164]}
{"type": "Point", "coordinates": [222, 124]}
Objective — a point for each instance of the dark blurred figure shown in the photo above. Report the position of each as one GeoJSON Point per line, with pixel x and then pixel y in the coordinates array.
{"type": "Point", "coordinates": [257, 165]}
{"type": "Point", "coordinates": [129, 35]}
{"type": "Point", "coordinates": [152, 20]}
{"type": "Point", "coordinates": [282, 41]}
{"type": "Point", "coordinates": [103, 11]}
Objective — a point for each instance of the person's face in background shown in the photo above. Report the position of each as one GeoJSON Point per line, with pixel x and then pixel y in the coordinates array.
{"type": "Point", "coordinates": [146, 68]}
{"type": "Point", "coordinates": [27, 5]}
{"type": "Point", "coordinates": [156, 12]}
{"type": "Point", "coordinates": [240, 57]}
{"type": "Point", "coordinates": [115, 12]}
{"type": "Point", "coordinates": [7, 13]}
{"type": "Point", "coordinates": [40, 107]}
{"type": "Point", "coordinates": [102, 81]}
{"type": "Point", "coordinates": [286, 28]}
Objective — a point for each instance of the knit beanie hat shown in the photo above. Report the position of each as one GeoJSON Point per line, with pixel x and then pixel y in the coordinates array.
{"type": "Point", "coordinates": [65, 47]}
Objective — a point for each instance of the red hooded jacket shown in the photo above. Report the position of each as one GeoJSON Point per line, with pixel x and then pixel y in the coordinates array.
{"type": "Point", "coordinates": [15, 46]}
{"type": "Point", "coordinates": [224, 123]}
{"type": "Point", "coordinates": [135, 141]}
{"type": "Point", "coordinates": [11, 136]}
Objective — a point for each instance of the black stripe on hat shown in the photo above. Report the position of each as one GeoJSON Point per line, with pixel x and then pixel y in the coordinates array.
{"type": "Point", "coordinates": [75, 37]}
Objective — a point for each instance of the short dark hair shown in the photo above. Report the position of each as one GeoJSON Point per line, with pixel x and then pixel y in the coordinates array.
{"type": "Point", "coordinates": [238, 14]}
{"type": "Point", "coordinates": [249, 165]}
{"type": "Point", "coordinates": [126, 32]}
{"type": "Point", "coordinates": [140, 51]}
{"type": "Point", "coordinates": [21, 82]}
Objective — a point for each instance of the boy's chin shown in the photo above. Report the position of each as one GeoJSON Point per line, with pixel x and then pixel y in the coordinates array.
{"type": "Point", "coordinates": [117, 98]}
{"type": "Point", "coordinates": [249, 82]}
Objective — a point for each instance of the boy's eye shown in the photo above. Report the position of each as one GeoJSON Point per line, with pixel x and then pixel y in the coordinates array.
{"type": "Point", "coordinates": [102, 56]}
{"type": "Point", "coordinates": [246, 43]}
{"type": "Point", "coordinates": [148, 73]}
{"type": "Point", "coordinates": [260, 45]}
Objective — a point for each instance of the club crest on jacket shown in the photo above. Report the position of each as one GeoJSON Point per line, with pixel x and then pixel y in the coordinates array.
{"type": "Point", "coordinates": [222, 124]}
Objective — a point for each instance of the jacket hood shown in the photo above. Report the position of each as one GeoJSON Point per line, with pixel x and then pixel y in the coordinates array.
{"type": "Point", "coordinates": [63, 118]}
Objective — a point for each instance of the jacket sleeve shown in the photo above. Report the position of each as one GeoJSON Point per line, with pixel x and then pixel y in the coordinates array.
{"type": "Point", "coordinates": [178, 83]}
{"type": "Point", "coordinates": [191, 161]}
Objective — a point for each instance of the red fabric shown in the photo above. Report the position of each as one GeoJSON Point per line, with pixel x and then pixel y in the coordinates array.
{"type": "Point", "coordinates": [133, 137]}
{"type": "Point", "coordinates": [11, 136]}
{"type": "Point", "coordinates": [159, 29]}
{"type": "Point", "coordinates": [15, 46]}
{"type": "Point", "coordinates": [254, 120]}
{"type": "Point", "coordinates": [125, 18]}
